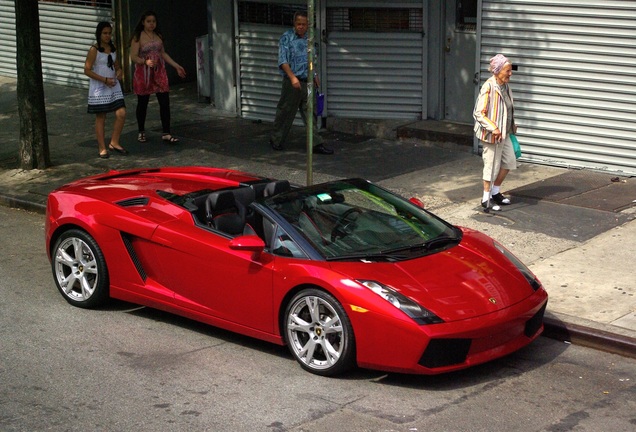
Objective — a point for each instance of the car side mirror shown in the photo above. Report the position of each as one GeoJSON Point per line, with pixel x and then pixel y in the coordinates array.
{"type": "Point", "coordinates": [250, 243]}
{"type": "Point", "coordinates": [417, 202]}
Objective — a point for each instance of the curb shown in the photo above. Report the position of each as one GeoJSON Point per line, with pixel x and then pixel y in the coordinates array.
{"type": "Point", "coordinates": [21, 203]}
{"type": "Point", "coordinates": [589, 337]}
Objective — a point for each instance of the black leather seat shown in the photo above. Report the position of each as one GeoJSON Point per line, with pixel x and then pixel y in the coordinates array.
{"type": "Point", "coordinates": [224, 214]}
{"type": "Point", "coordinates": [276, 187]}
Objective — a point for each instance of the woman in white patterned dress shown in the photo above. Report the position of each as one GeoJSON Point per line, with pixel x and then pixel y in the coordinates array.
{"type": "Point", "coordinates": [105, 94]}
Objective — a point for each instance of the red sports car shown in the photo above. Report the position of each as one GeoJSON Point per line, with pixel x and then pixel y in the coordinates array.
{"type": "Point", "coordinates": [344, 273]}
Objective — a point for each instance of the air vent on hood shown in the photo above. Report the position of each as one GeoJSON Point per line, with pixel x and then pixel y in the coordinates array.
{"type": "Point", "coordinates": [130, 202]}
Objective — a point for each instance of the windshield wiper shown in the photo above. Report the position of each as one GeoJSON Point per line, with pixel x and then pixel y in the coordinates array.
{"type": "Point", "coordinates": [381, 256]}
{"type": "Point", "coordinates": [435, 243]}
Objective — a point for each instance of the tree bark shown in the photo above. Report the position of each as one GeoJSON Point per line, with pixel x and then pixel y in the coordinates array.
{"type": "Point", "coordinates": [34, 140]}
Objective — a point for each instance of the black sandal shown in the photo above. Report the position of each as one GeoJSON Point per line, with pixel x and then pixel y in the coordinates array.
{"type": "Point", "coordinates": [169, 139]}
{"type": "Point", "coordinates": [119, 150]}
{"type": "Point", "coordinates": [141, 137]}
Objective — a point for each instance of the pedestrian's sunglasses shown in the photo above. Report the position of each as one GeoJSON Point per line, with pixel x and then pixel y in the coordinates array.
{"type": "Point", "coordinates": [110, 61]}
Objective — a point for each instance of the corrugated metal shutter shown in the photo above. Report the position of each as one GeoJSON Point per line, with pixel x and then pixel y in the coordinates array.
{"type": "Point", "coordinates": [576, 83]}
{"type": "Point", "coordinates": [374, 75]}
{"type": "Point", "coordinates": [260, 81]}
{"type": "Point", "coordinates": [7, 38]}
{"type": "Point", "coordinates": [66, 33]}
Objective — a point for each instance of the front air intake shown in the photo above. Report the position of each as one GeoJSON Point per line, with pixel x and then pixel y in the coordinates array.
{"type": "Point", "coordinates": [533, 325]}
{"type": "Point", "coordinates": [445, 352]}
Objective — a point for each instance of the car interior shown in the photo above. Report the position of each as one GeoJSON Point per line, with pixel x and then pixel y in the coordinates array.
{"type": "Point", "coordinates": [229, 211]}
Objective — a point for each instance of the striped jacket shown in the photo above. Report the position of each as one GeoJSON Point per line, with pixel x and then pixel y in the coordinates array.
{"type": "Point", "coordinates": [490, 111]}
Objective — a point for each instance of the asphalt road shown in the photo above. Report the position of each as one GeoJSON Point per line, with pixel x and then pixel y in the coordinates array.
{"type": "Point", "coordinates": [129, 368]}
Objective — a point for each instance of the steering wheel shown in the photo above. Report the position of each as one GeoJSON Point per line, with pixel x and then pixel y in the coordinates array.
{"type": "Point", "coordinates": [342, 226]}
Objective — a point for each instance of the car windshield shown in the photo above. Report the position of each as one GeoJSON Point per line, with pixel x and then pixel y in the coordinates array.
{"type": "Point", "coordinates": [354, 219]}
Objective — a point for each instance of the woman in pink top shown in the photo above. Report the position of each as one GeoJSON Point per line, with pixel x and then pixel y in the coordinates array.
{"type": "Point", "coordinates": [150, 77]}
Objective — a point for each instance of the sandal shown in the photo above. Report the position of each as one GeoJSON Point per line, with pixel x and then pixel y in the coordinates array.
{"type": "Point", "coordinates": [141, 137]}
{"type": "Point", "coordinates": [104, 155]}
{"type": "Point", "coordinates": [119, 150]}
{"type": "Point", "coordinates": [169, 138]}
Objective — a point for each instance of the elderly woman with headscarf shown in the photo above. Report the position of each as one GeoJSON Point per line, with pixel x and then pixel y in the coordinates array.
{"type": "Point", "coordinates": [494, 122]}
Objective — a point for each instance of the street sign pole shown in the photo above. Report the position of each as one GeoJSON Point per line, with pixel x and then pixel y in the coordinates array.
{"type": "Point", "coordinates": [310, 90]}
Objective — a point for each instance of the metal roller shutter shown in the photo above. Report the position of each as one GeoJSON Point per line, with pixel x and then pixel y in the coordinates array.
{"type": "Point", "coordinates": [66, 33]}
{"type": "Point", "coordinates": [374, 75]}
{"type": "Point", "coordinates": [7, 38]}
{"type": "Point", "coordinates": [375, 59]}
{"type": "Point", "coordinates": [576, 83]}
{"type": "Point", "coordinates": [260, 26]}
{"type": "Point", "coordinates": [260, 82]}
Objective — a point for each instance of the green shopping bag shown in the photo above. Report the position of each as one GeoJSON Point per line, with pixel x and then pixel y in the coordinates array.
{"type": "Point", "coordinates": [515, 145]}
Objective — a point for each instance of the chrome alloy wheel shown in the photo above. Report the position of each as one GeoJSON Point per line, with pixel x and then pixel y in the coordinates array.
{"type": "Point", "coordinates": [319, 333]}
{"type": "Point", "coordinates": [80, 269]}
{"type": "Point", "coordinates": [76, 269]}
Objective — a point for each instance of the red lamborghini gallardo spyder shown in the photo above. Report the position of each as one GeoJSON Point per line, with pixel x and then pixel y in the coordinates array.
{"type": "Point", "coordinates": [344, 273]}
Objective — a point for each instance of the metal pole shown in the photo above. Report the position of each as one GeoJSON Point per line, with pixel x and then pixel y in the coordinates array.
{"type": "Point", "coordinates": [310, 90]}
{"type": "Point", "coordinates": [120, 18]}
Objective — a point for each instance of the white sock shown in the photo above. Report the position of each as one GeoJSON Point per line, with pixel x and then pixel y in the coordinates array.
{"type": "Point", "coordinates": [495, 190]}
{"type": "Point", "coordinates": [485, 196]}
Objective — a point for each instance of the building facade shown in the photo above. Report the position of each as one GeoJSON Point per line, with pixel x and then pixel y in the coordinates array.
{"type": "Point", "coordinates": [574, 84]}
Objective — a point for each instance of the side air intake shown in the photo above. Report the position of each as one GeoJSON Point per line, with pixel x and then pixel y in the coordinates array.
{"type": "Point", "coordinates": [131, 202]}
{"type": "Point", "coordinates": [133, 256]}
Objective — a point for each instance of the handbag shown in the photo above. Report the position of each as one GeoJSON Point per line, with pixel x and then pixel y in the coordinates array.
{"type": "Point", "coordinates": [320, 103]}
{"type": "Point", "coordinates": [515, 145]}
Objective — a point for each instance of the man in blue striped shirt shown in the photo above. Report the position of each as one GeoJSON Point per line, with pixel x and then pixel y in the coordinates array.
{"type": "Point", "coordinates": [293, 66]}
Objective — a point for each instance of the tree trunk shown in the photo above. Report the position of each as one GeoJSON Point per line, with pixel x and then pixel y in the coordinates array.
{"type": "Point", "coordinates": [34, 140]}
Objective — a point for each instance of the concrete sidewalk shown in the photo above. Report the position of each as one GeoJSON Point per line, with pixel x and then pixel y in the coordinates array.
{"type": "Point", "coordinates": [574, 229]}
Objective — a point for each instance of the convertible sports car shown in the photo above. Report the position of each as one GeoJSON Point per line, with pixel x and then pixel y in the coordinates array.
{"type": "Point", "coordinates": [344, 273]}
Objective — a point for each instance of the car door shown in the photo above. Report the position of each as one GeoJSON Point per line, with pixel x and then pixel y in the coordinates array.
{"type": "Point", "coordinates": [210, 278]}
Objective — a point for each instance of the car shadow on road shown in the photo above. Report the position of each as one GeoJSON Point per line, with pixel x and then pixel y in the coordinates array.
{"type": "Point", "coordinates": [197, 326]}
{"type": "Point", "coordinates": [539, 353]}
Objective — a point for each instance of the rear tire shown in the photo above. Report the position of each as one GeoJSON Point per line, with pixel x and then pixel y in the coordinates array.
{"type": "Point", "coordinates": [319, 333]}
{"type": "Point", "coordinates": [79, 269]}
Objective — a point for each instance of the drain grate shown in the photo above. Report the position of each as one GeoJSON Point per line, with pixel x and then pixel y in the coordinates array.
{"type": "Point", "coordinates": [583, 188]}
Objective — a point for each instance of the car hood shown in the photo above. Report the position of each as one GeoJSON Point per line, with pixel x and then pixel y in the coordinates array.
{"type": "Point", "coordinates": [462, 282]}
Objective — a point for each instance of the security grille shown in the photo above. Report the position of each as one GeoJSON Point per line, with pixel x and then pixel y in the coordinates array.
{"type": "Point", "coordinates": [375, 62]}
{"type": "Point", "coordinates": [374, 19]}
{"type": "Point", "coordinates": [90, 3]}
{"type": "Point", "coordinates": [575, 85]}
{"type": "Point", "coordinates": [260, 27]}
{"type": "Point", "coordinates": [67, 30]}
{"type": "Point", "coordinates": [264, 13]}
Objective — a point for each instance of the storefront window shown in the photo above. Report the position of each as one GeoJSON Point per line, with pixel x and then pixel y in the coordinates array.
{"type": "Point", "coordinates": [466, 15]}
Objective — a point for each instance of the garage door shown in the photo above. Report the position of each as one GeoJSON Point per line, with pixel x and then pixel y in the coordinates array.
{"type": "Point", "coordinates": [375, 61]}
{"type": "Point", "coordinates": [576, 83]}
{"type": "Point", "coordinates": [66, 33]}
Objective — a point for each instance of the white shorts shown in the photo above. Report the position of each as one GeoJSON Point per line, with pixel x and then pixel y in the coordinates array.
{"type": "Point", "coordinates": [505, 158]}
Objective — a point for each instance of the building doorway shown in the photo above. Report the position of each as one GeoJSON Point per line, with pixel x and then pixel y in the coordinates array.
{"type": "Point", "coordinates": [459, 53]}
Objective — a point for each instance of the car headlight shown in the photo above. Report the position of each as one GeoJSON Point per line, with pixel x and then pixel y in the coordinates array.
{"type": "Point", "coordinates": [525, 271]}
{"type": "Point", "coordinates": [406, 305]}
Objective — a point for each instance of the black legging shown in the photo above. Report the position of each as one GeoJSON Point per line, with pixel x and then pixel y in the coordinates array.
{"type": "Point", "coordinates": [164, 111]}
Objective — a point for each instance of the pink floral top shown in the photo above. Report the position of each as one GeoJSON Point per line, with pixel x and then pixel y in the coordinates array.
{"type": "Point", "coordinates": [150, 80]}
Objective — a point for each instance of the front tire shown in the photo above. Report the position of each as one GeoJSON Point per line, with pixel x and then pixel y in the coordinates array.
{"type": "Point", "coordinates": [319, 333]}
{"type": "Point", "coordinates": [79, 269]}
